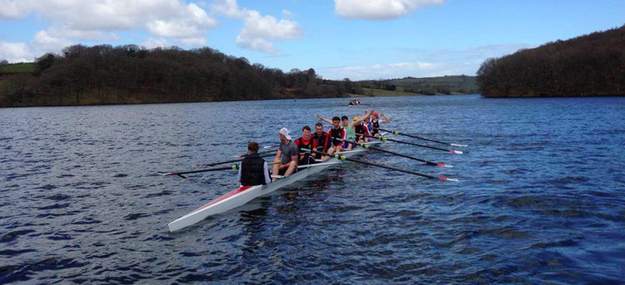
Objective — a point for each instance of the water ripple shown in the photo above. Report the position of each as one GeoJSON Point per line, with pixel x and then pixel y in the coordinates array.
{"type": "Point", "coordinates": [540, 198]}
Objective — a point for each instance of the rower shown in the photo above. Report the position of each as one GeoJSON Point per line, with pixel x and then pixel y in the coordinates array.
{"type": "Point", "coordinates": [351, 129]}
{"type": "Point", "coordinates": [375, 123]}
{"type": "Point", "coordinates": [253, 169]}
{"type": "Point", "coordinates": [305, 142]}
{"type": "Point", "coordinates": [337, 133]}
{"type": "Point", "coordinates": [361, 130]}
{"type": "Point", "coordinates": [321, 142]}
{"type": "Point", "coordinates": [285, 162]}
{"type": "Point", "coordinates": [349, 133]}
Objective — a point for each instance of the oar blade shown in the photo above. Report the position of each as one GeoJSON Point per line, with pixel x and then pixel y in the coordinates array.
{"type": "Point", "coordinates": [456, 151]}
{"type": "Point", "coordinates": [459, 145]}
{"type": "Point", "coordinates": [442, 178]}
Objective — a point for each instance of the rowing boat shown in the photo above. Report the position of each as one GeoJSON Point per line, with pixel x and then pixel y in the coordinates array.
{"type": "Point", "coordinates": [242, 195]}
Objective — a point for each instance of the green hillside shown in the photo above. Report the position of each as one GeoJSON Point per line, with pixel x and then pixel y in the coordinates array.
{"type": "Point", "coordinates": [18, 68]}
{"type": "Point", "coordinates": [461, 84]}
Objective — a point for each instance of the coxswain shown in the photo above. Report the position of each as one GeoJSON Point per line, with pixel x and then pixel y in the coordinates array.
{"type": "Point", "coordinates": [337, 134]}
{"type": "Point", "coordinates": [321, 142]}
{"type": "Point", "coordinates": [305, 146]}
{"type": "Point", "coordinates": [285, 162]}
{"type": "Point", "coordinates": [253, 169]}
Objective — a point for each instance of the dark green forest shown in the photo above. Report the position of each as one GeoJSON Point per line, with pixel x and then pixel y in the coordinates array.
{"type": "Point", "coordinates": [128, 74]}
{"type": "Point", "coordinates": [590, 65]}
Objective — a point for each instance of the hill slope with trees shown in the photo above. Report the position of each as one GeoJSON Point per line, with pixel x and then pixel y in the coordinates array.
{"type": "Point", "coordinates": [590, 65]}
{"type": "Point", "coordinates": [128, 74]}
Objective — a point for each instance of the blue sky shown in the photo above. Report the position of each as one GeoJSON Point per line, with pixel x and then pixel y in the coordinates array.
{"type": "Point", "coordinates": [356, 39]}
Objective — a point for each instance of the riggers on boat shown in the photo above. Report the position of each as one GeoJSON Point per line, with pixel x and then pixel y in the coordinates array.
{"type": "Point", "coordinates": [243, 195]}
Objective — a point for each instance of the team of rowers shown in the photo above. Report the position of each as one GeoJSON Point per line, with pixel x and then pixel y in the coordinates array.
{"type": "Point", "coordinates": [308, 149]}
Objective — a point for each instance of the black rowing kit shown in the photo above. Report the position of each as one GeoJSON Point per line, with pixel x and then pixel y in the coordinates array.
{"type": "Point", "coordinates": [252, 170]}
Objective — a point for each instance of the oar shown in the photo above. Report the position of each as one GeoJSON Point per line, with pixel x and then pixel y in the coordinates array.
{"type": "Point", "coordinates": [422, 138]}
{"type": "Point", "coordinates": [365, 145]}
{"type": "Point", "coordinates": [342, 157]}
{"type": "Point", "coordinates": [265, 154]}
{"type": "Point", "coordinates": [233, 167]}
{"type": "Point", "coordinates": [383, 138]}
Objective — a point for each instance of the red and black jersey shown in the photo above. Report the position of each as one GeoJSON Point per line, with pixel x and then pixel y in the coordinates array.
{"type": "Point", "coordinates": [362, 130]}
{"type": "Point", "coordinates": [321, 142]}
{"type": "Point", "coordinates": [302, 143]}
{"type": "Point", "coordinates": [308, 157]}
{"type": "Point", "coordinates": [336, 134]}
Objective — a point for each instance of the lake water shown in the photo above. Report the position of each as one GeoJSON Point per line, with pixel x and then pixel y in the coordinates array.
{"type": "Point", "coordinates": [541, 197]}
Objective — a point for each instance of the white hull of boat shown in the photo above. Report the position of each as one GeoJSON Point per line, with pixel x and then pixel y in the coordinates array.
{"type": "Point", "coordinates": [243, 195]}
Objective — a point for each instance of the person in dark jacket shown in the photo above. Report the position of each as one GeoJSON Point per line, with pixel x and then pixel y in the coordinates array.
{"type": "Point", "coordinates": [253, 170]}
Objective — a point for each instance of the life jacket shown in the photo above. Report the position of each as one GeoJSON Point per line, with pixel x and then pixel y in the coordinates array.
{"type": "Point", "coordinates": [252, 170]}
{"type": "Point", "coordinates": [336, 134]}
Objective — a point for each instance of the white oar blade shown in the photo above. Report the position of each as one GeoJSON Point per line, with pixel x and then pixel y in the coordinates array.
{"type": "Point", "coordinates": [460, 145]}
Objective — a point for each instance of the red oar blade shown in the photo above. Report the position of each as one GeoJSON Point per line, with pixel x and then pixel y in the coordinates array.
{"type": "Point", "coordinates": [448, 179]}
{"type": "Point", "coordinates": [440, 164]}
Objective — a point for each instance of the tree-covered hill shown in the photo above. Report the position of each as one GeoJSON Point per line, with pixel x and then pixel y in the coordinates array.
{"type": "Point", "coordinates": [104, 74]}
{"type": "Point", "coordinates": [590, 65]}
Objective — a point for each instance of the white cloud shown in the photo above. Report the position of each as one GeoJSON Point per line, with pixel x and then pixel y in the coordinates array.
{"type": "Point", "coordinates": [376, 71]}
{"type": "Point", "coordinates": [379, 9]}
{"type": "Point", "coordinates": [10, 10]}
{"type": "Point", "coordinates": [16, 52]}
{"type": "Point", "coordinates": [228, 8]}
{"type": "Point", "coordinates": [154, 43]}
{"type": "Point", "coordinates": [98, 20]}
{"type": "Point", "coordinates": [258, 30]}
{"type": "Point", "coordinates": [190, 28]}
{"type": "Point", "coordinates": [44, 41]}
{"type": "Point", "coordinates": [424, 64]}
{"type": "Point", "coordinates": [287, 14]}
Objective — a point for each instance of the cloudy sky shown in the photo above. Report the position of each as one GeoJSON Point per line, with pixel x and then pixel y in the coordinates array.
{"type": "Point", "coordinates": [357, 39]}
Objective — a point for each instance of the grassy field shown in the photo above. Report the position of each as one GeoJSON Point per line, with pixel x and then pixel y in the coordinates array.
{"type": "Point", "coordinates": [455, 83]}
{"type": "Point", "coordinates": [383, 93]}
{"type": "Point", "coordinates": [18, 68]}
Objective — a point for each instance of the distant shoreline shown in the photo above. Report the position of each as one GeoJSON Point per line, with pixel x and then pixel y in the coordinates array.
{"type": "Point", "coordinates": [216, 101]}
